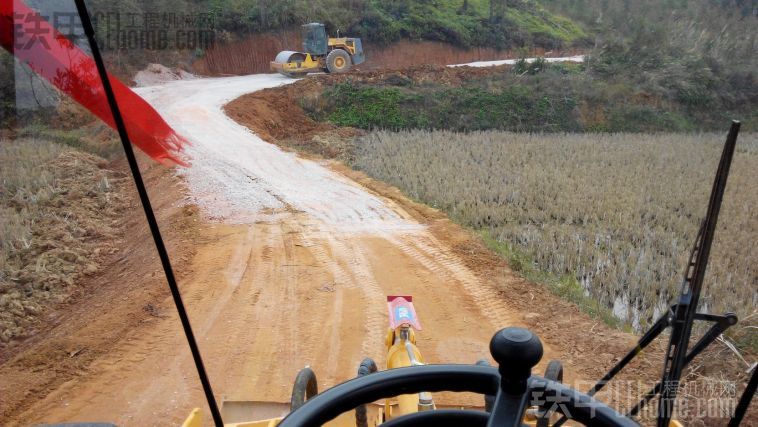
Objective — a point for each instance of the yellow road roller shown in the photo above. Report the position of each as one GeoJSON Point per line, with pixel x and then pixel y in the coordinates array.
{"type": "Point", "coordinates": [320, 53]}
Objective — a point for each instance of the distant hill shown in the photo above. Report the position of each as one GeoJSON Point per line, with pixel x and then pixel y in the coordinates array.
{"type": "Point", "coordinates": [465, 23]}
{"type": "Point", "coordinates": [720, 31]}
{"type": "Point", "coordinates": [501, 24]}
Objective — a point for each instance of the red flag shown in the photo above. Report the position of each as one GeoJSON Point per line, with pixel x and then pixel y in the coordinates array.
{"type": "Point", "coordinates": [31, 39]}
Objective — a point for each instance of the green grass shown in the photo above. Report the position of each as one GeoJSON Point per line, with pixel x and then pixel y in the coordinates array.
{"type": "Point", "coordinates": [540, 22]}
{"type": "Point", "coordinates": [516, 107]}
{"type": "Point", "coordinates": [371, 107]}
{"type": "Point", "coordinates": [512, 108]}
{"type": "Point", "coordinates": [524, 23]}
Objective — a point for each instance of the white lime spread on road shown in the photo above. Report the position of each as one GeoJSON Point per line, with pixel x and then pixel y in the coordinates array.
{"type": "Point", "coordinates": [577, 58]}
{"type": "Point", "coordinates": [235, 176]}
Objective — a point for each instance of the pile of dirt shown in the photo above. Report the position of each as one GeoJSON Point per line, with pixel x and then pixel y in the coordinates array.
{"type": "Point", "coordinates": [74, 230]}
{"type": "Point", "coordinates": [155, 74]}
{"type": "Point", "coordinates": [276, 116]}
{"type": "Point", "coordinates": [418, 75]}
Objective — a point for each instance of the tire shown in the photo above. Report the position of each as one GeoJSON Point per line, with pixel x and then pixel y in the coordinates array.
{"type": "Point", "coordinates": [338, 61]}
{"type": "Point", "coordinates": [554, 371]}
{"type": "Point", "coordinates": [489, 400]}
{"type": "Point", "coordinates": [366, 367]}
{"type": "Point", "coordinates": [305, 387]}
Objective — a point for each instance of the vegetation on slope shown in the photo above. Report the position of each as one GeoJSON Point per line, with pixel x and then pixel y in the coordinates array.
{"type": "Point", "coordinates": [608, 216]}
{"type": "Point", "coordinates": [722, 30]}
{"type": "Point", "coordinates": [656, 66]}
{"type": "Point", "coordinates": [459, 22]}
{"type": "Point", "coordinates": [604, 94]}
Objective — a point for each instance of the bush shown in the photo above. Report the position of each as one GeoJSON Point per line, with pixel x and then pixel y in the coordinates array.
{"type": "Point", "coordinates": [368, 107]}
{"type": "Point", "coordinates": [522, 66]}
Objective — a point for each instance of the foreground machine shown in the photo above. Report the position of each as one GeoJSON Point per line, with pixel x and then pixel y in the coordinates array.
{"type": "Point", "coordinates": [402, 355]}
{"type": "Point", "coordinates": [402, 352]}
{"type": "Point", "coordinates": [320, 53]}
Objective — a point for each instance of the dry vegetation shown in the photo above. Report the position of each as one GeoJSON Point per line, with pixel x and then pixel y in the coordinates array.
{"type": "Point", "coordinates": [58, 218]}
{"type": "Point", "coordinates": [611, 216]}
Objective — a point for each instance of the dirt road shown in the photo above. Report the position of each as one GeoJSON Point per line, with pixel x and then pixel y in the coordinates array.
{"type": "Point", "coordinates": [291, 267]}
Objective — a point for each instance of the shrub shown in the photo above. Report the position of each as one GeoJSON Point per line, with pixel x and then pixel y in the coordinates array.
{"type": "Point", "coordinates": [368, 107]}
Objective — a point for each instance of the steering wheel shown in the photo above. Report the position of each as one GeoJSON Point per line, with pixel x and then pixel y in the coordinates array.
{"type": "Point", "coordinates": [516, 350]}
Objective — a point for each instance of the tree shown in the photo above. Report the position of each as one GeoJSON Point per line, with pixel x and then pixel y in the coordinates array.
{"type": "Point", "coordinates": [497, 10]}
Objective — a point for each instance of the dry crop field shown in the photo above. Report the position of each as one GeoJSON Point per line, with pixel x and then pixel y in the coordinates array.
{"type": "Point", "coordinates": [58, 208]}
{"type": "Point", "coordinates": [616, 214]}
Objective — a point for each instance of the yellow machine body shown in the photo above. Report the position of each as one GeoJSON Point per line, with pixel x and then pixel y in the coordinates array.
{"type": "Point", "coordinates": [301, 63]}
{"type": "Point", "coordinates": [297, 63]}
{"type": "Point", "coordinates": [320, 53]}
{"type": "Point", "coordinates": [344, 43]}
{"type": "Point", "coordinates": [402, 352]}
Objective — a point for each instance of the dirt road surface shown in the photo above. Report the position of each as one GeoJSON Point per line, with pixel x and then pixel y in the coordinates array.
{"type": "Point", "coordinates": [291, 267]}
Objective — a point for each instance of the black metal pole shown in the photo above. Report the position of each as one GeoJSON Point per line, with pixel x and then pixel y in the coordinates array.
{"type": "Point", "coordinates": [744, 403]}
{"type": "Point", "coordinates": [658, 327]}
{"type": "Point", "coordinates": [721, 324]}
{"type": "Point", "coordinates": [149, 214]}
{"type": "Point", "coordinates": [681, 324]}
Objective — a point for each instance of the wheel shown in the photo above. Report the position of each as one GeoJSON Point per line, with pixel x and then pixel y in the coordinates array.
{"type": "Point", "coordinates": [367, 366]}
{"type": "Point", "coordinates": [553, 372]}
{"type": "Point", "coordinates": [305, 387]}
{"type": "Point", "coordinates": [489, 399]}
{"type": "Point", "coordinates": [338, 61]}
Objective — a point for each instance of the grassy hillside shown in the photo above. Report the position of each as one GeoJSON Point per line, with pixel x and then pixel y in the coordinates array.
{"type": "Point", "coordinates": [612, 92]}
{"type": "Point", "coordinates": [465, 23]}
{"type": "Point", "coordinates": [723, 30]}
{"type": "Point", "coordinates": [459, 22]}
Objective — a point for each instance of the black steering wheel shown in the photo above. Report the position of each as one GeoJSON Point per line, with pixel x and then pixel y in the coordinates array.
{"type": "Point", "coordinates": [516, 350]}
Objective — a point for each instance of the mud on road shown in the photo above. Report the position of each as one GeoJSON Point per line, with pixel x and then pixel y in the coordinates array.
{"type": "Point", "coordinates": [286, 264]}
